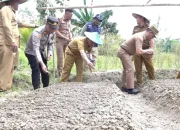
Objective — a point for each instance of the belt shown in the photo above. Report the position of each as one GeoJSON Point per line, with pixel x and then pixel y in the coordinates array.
{"type": "Point", "coordinates": [70, 49]}
{"type": "Point", "coordinates": [124, 49]}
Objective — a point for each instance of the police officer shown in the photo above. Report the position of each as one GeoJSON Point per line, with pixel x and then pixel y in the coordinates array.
{"type": "Point", "coordinates": [93, 27]}
{"type": "Point", "coordinates": [39, 50]}
{"type": "Point", "coordinates": [9, 41]}
{"type": "Point", "coordinates": [130, 47]}
{"type": "Point", "coordinates": [139, 59]}
{"type": "Point", "coordinates": [75, 53]}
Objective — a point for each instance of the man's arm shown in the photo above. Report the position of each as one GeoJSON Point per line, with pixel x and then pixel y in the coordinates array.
{"type": "Point", "coordinates": [6, 17]}
{"type": "Point", "coordinates": [36, 45]}
{"type": "Point", "coordinates": [70, 31]}
{"type": "Point", "coordinates": [50, 47]}
{"type": "Point", "coordinates": [58, 34]}
{"type": "Point", "coordinates": [83, 30]}
{"type": "Point", "coordinates": [36, 37]}
{"type": "Point", "coordinates": [26, 25]}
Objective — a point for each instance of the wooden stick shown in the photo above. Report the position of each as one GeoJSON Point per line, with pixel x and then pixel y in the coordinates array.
{"type": "Point", "coordinates": [105, 6]}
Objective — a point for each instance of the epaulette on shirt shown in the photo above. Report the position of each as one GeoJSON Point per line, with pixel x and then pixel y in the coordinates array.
{"type": "Point", "coordinates": [40, 31]}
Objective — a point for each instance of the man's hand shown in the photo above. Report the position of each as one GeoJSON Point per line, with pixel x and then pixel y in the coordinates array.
{"type": "Point", "coordinates": [48, 57]}
{"type": "Point", "coordinates": [44, 68]}
{"type": "Point", "coordinates": [149, 51]}
{"type": "Point", "coordinates": [148, 55]}
{"type": "Point", "coordinates": [14, 47]}
{"type": "Point", "coordinates": [91, 66]}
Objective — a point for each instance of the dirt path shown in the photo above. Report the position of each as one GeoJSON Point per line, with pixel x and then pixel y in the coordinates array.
{"type": "Point", "coordinates": [91, 106]}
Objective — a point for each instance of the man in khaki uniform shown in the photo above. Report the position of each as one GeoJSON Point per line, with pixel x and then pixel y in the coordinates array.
{"type": "Point", "coordinates": [75, 53]}
{"type": "Point", "coordinates": [63, 37]}
{"type": "Point", "coordinates": [20, 25]}
{"type": "Point", "coordinates": [93, 26]}
{"type": "Point", "coordinates": [139, 59]}
{"type": "Point", "coordinates": [130, 47]}
{"type": "Point", "coordinates": [9, 42]}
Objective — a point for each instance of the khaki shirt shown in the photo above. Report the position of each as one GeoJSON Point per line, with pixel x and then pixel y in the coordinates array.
{"type": "Point", "coordinates": [138, 29]}
{"type": "Point", "coordinates": [78, 44]}
{"type": "Point", "coordinates": [65, 28]}
{"type": "Point", "coordinates": [136, 41]}
{"type": "Point", "coordinates": [40, 42]}
{"type": "Point", "coordinates": [9, 32]}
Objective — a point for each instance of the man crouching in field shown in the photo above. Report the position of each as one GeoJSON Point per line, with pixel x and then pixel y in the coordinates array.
{"type": "Point", "coordinates": [39, 50]}
{"type": "Point", "coordinates": [130, 47]}
{"type": "Point", "coordinates": [75, 53]}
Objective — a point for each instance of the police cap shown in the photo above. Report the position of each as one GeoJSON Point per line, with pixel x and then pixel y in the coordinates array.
{"type": "Point", "coordinates": [53, 22]}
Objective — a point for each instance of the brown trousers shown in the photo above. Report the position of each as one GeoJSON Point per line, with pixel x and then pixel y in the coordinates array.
{"type": "Point", "coordinates": [128, 70]}
{"type": "Point", "coordinates": [138, 63]}
{"type": "Point", "coordinates": [16, 59]}
{"type": "Point", "coordinates": [69, 61]}
{"type": "Point", "coordinates": [60, 51]}
{"type": "Point", "coordinates": [6, 67]}
{"type": "Point", "coordinates": [178, 75]}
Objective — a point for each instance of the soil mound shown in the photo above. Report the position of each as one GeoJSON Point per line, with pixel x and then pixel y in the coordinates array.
{"type": "Point", "coordinates": [165, 94]}
{"type": "Point", "coordinates": [97, 104]}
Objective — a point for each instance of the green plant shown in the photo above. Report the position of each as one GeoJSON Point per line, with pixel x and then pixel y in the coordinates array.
{"type": "Point", "coordinates": [24, 35]}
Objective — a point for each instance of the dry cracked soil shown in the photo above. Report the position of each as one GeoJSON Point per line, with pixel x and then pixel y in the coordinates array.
{"type": "Point", "coordinates": [98, 105]}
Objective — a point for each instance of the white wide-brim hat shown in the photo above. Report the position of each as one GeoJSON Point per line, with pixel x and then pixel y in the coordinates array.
{"type": "Point", "coordinates": [94, 36]}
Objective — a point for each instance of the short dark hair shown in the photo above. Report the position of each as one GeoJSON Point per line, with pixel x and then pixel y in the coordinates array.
{"type": "Point", "coordinates": [69, 10]}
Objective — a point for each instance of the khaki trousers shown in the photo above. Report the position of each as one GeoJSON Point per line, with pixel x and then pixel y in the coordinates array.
{"type": "Point", "coordinates": [69, 61]}
{"type": "Point", "coordinates": [138, 63]}
{"type": "Point", "coordinates": [178, 75]}
{"type": "Point", "coordinates": [6, 67]}
{"type": "Point", "coordinates": [94, 53]}
{"type": "Point", "coordinates": [128, 70]}
{"type": "Point", "coordinates": [60, 51]}
{"type": "Point", "coordinates": [16, 59]}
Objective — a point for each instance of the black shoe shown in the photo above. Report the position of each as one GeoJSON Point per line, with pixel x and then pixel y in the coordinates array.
{"type": "Point", "coordinates": [123, 89]}
{"type": "Point", "coordinates": [36, 87]}
{"type": "Point", "coordinates": [133, 91]}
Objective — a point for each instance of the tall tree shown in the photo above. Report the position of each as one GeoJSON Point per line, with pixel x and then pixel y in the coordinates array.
{"type": "Point", "coordinates": [108, 27]}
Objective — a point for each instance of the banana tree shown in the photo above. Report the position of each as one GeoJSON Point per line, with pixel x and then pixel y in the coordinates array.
{"type": "Point", "coordinates": [83, 16]}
